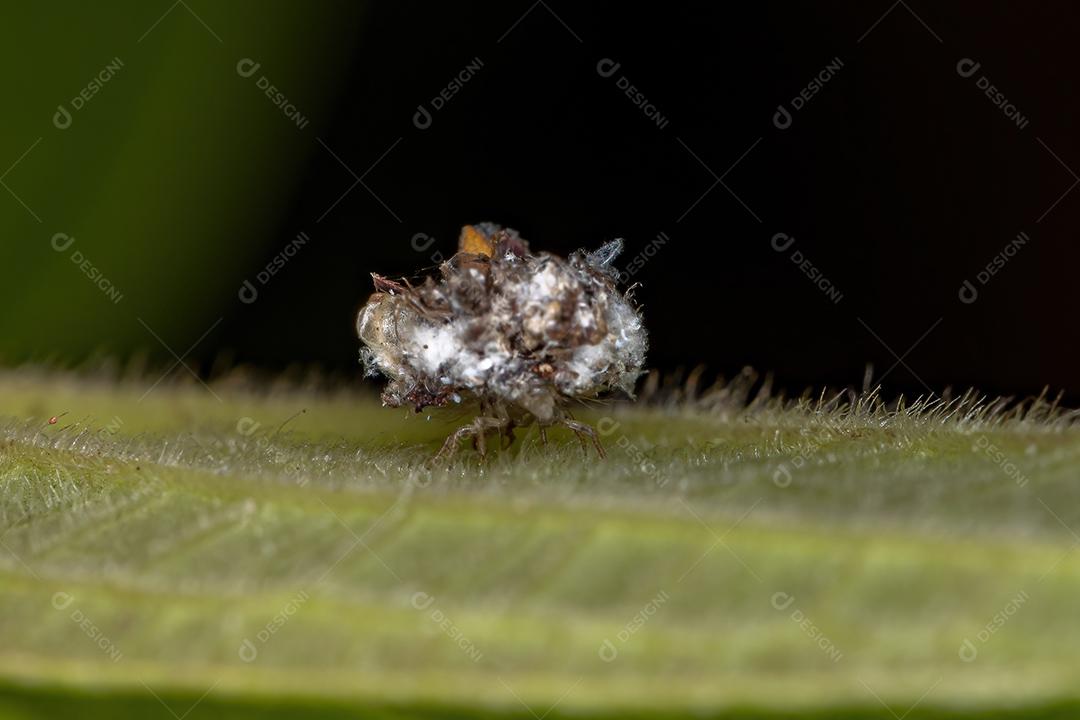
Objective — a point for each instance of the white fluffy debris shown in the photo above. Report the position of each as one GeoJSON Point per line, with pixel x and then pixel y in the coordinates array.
{"type": "Point", "coordinates": [521, 333]}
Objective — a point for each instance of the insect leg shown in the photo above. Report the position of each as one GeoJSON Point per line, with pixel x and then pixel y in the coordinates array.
{"type": "Point", "coordinates": [507, 434]}
{"type": "Point", "coordinates": [483, 426]}
{"type": "Point", "coordinates": [481, 443]}
{"type": "Point", "coordinates": [582, 431]}
{"type": "Point", "coordinates": [450, 447]}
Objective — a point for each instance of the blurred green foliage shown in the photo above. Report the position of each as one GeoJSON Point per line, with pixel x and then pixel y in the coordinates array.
{"type": "Point", "coordinates": [182, 524]}
{"type": "Point", "coordinates": [173, 174]}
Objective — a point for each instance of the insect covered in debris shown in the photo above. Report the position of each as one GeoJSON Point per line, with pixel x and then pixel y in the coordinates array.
{"type": "Point", "coordinates": [522, 334]}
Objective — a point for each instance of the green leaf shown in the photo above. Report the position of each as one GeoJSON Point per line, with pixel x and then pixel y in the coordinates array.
{"type": "Point", "coordinates": [218, 549]}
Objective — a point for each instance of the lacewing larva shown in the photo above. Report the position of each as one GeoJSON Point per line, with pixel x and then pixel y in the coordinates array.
{"type": "Point", "coordinates": [522, 334]}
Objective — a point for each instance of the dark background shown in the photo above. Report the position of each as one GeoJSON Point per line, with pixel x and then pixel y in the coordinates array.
{"type": "Point", "coordinates": [898, 180]}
